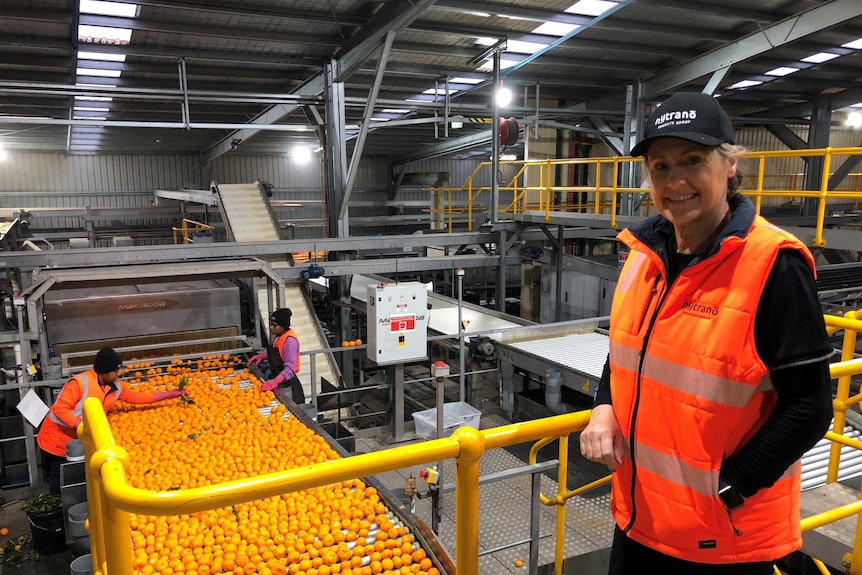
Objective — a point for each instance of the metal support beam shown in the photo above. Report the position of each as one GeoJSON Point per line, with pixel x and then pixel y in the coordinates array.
{"type": "Point", "coordinates": [825, 15]}
{"type": "Point", "coordinates": [366, 120]}
{"type": "Point", "coordinates": [787, 137]}
{"type": "Point", "coordinates": [495, 140]}
{"type": "Point", "coordinates": [716, 79]}
{"type": "Point", "coordinates": [336, 156]}
{"type": "Point", "coordinates": [838, 175]}
{"type": "Point", "coordinates": [818, 137]}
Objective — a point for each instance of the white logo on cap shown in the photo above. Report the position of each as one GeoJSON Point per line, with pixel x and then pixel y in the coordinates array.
{"type": "Point", "coordinates": [681, 117]}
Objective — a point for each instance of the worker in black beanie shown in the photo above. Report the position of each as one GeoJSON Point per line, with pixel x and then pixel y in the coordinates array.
{"type": "Point", "coordinates": [282, 357]}
{"type": "Point", "coordinates": [103, 382]}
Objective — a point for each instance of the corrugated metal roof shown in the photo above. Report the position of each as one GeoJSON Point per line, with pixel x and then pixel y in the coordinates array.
{"type": "Point", "coordinates": [232, 49]}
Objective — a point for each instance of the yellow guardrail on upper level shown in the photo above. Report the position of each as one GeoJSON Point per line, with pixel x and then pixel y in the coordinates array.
{"type": "Point", "coordinates": [188, 230]}
{"type": "Point", "coordinates": [545, 196]}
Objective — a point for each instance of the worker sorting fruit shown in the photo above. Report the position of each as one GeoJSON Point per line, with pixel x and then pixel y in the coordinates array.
{"type": "Point", "coordinates": [282, 357]}
{"type": "Point", "coordinates": [61, 424]}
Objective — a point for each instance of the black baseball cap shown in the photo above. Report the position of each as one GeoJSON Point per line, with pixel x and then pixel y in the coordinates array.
{"type": "Point", "coordinates": [691, 116]}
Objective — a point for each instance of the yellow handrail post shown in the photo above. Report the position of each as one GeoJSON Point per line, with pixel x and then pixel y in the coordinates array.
{"type": "Point", "coordinates": [472, 445]}
{"type": "Point", "coordinates": [760, 172]}
{"type": "Point", "coordinates": [821, 208]}
{"type": "Point", "coordinates": [549, 190]}
{"type": "Point", "coordinates": [840, 404]}
{"type": "Point", "coordinates": [449, 210]}
{"type": "Point", "coordinates": [562, 470]}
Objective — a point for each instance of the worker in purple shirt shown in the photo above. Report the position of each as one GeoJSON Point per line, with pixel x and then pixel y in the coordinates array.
{"type": "Point", "coordinates": [282, 357]}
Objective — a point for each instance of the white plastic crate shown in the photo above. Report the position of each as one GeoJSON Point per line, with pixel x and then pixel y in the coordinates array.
{"type": "Point", "coordinates": [455, 415]}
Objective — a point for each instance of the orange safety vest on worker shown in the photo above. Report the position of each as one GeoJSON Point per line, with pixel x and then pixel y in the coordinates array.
{"type": "Point", "coordinates": [689, 389]}
{"type": "Point", "coordinates": [60, 425]}
{"type": "Point", "coordinates": [278, 345]}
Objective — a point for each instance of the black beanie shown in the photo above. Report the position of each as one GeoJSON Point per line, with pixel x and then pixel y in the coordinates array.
{"type": "Point", "coordinates": [281, 316]}
{"type": "Point", "coordinates": [107, 360]}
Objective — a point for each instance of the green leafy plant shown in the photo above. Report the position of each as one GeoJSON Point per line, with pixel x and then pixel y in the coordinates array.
{"type": "Point", "coordinates": [41, 503]}
{"type": "Point", "coordinates": [185, 399]}
{"type": "Point", "coordinates": [18, 551]}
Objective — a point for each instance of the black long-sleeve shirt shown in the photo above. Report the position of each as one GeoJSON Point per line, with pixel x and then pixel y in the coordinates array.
{"type": "Point", "coordinates": [790, 337]}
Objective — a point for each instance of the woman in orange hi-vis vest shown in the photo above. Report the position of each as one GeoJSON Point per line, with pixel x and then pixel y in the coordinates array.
{"type": "Point", "coordinates": [717, 378]}
{"type": "Point", "coordinates": [282, 357]}
{"type": "Point", "coordinates": [61, 424]}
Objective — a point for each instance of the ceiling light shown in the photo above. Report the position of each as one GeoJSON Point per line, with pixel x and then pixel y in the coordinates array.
{"type": "Point", "coordinates": [854, 45]}
{"type": "Point", "coordinates": [854, 120]}
{"type": "Point", "coordinates": [98, 72]}
{"type": "Point", "coordinates": [782, 71]}
{"type": "Point", "coordinates": [744, 84]}
{"type": "Point", "coordinates": [488, 65]}
{"type": "Point", "coordinates": [508, 157]}
{"type": "Point", "coordinates": [109, 8]}
{"type": "Point", "coordinates": [90, 109]}
{"type": "Point", "coordinates": [504, 97]}
{"type": "Point", "coordinates": [301, 155]}
{"type": "Point", "coordinates": [555, 28]}
{"type": "Point", "coordinates": [101, 56]}
{"type": "Point", "coordinates": [396, 110]}
{"type": "Point", "coordinates": [440, 91]}
{"type": "Point", "coordinates": [820, 57]}
{"type": "Point", "coordinates": [591, 7]}
{"type": "Point", "coordinates": [457, 122]}
{"type": "Point", "coordinates": [104, 35]}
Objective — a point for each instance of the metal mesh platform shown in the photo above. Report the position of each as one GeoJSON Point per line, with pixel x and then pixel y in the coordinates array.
{"type": "Point", "coordinates": [504, 511]}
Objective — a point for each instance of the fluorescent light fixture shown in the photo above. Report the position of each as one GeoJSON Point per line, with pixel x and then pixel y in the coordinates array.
{"type": "Point", "coordinates": [301, 155]}
{"type": "Point", "coordinates": [504, 97]}
{"type": "Point", "coordinates": [744, 84]}
{"type": "Point", "coordinates": [521, 47]}
{"type": "Point", "coordinates": [591, 7]}
{"type": "Point", "coordinates": [376, 119]}
{"type": "Point", "coordinates": [82, 55]}
{"type": "Point", "coordinates": [89, 118]}
{"type": "Point", "coordinates": [782, 71]}
{"type": "Point", "coordinates": [396, 110]}
{"type": "Point", "coordinates": [98, 72]}
{"type": "Point", "coordinates": [94, 99]}
{"type": "Point", "coordinates": [104, 35]}
{"type": "Point", "coordinates": [122, 9]}
{"type": "Point", "coordinates": [460, 80]}
{"type": "Point", "coordinates": [555, 28]}
{"type": "Point", "coordinates": [485, 41]}
{"type": "Point", "coordinates": [820, 57]}
{"type": "Point", "coordinates": [90, 109]}
{"type": "Point", "coordinates": [854, 45]}
{"type": "Point", "coordinates": [508, 157]}
{"type": "Point", "coordinates": [854, 120]}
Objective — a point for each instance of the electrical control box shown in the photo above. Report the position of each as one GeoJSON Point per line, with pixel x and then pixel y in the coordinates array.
{"type": "Point", "coordinates": [397, 322]}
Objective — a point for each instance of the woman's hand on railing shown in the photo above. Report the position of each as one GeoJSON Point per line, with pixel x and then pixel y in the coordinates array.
{"type": "Point", "coordinates": [602, 439]}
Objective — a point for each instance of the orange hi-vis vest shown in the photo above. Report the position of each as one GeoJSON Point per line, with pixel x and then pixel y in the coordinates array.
{"type": "Point", "coordinates": [278, 344]}
{"type": "Point", "coordinates": [689, 389]}
{"type": "Point", "coordinates": [58, 427]}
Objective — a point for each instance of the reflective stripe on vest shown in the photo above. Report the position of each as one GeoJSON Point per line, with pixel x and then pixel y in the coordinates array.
{"type": "Point", "coordinates": [85, 380]}
{"type": "Point", "coordinates": [687, 381]}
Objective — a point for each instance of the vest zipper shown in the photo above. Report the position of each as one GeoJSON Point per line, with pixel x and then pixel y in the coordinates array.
{"type": "Point", "coordinates": [730, 518]}
{"type": "Point", "coordinates": [633, 424]}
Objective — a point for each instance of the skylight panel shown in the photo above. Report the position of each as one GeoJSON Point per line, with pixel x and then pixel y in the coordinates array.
{"type": "Point", "coordinates": [555, 29]}
{"type": "Point", "coordinates": [820, 57]}
{"type": "Point", "coordinates": [782, 71]}
{"type": "Point", "coordinates": [98, 72]}
{"type": "Point", "coordinates": [122, 9]}
{"type": "Point", "coordinates": [440, 91]}
{"type": "Point", "coordinates": [521, 47]}
{"type": "Point", "coordinates": [485, 41]}
{"type": "Point", "coordinates": [591, 7]}
{"type": "Point", "coordinates": [102, 56]}
{"type": "Point", "coordinates": [396, 111]}
{"type": "Point", "coordinates": [854, 45]}
{"type": "Point", "coordinates": [91, 109]}
{"type": "Point", "coordinates": [488, 65]}
{"type": "Point", "coordinates": [460, 80]}
{"type": "Point", "coordinates": [104, 35]}
{"type": "Point", "coordinates": [744, 84]}
{"type": "Point", "coordinates": [94, 98]}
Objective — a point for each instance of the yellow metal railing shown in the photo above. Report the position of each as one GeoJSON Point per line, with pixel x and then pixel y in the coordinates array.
{"type": "Point", "coordinates": [605, 191]}
{"type": "Point", "coordinates": [188, 229]}
{"type": "Point", "coordinates": [111, 498]}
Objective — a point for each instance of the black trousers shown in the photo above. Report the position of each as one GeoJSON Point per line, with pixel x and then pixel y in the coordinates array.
{"type": "Point", "coordinates": [52, 465]}
{"type": "Point", "coordinates": [296, 391]}
{"type": "Point", "coordinates": [630, 557]}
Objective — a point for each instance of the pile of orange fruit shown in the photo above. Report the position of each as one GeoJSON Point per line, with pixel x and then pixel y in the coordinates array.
{"type": "Point", "coordinates": [234, 430]}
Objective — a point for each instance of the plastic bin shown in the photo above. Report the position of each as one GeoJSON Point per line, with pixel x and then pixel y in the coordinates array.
{"type": "Point", "coordinates": [455, 415]}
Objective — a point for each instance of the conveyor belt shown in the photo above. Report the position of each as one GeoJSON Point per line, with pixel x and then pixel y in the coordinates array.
{"type": "Point", "coordinates": [250, 219]}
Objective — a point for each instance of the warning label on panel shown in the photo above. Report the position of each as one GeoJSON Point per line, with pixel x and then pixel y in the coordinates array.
{"type": "Point", "coordinates": [398, 323]}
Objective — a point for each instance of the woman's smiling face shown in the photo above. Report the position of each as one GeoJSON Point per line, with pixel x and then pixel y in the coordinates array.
{"type": "Point", "coordinates": [688, 181]}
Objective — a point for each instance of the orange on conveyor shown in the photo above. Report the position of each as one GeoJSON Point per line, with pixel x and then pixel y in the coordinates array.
{"type": "Point", "coordinates": [340, 529]}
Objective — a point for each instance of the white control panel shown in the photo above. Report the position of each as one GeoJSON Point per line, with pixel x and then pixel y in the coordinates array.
{"type": "Point", "coordinates": [397, 322]}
